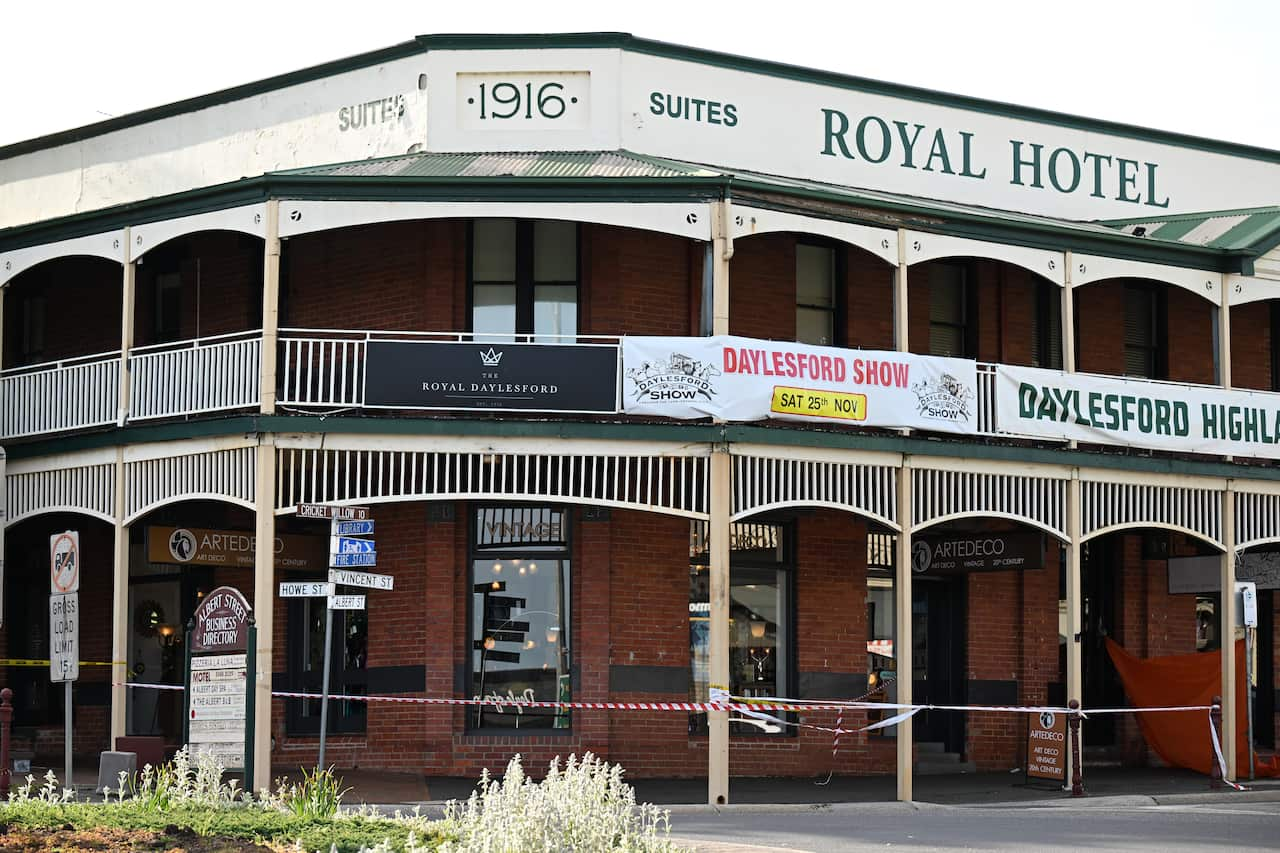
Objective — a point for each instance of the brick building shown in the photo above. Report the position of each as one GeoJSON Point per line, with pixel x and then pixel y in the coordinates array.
{"type": "Point", "coordinates": [560, 310]}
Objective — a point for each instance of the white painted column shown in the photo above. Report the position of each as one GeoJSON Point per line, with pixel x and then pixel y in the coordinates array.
{"type": "Point", "coordinates": [900, 312]}
{"type": "Point", "coordinates": [718, 538]}
{"type": "Point", "coordinates": [1075, 605]}
{"type": "Point", "coordinates": [127, 299]}
{"type": "Point", "coordinates": [270, 313]}
{"type": "Point", "coordinates": [119, 608]}
{"type": "Point", "coordinates": [902, 635]}
{"type": "Point", "coordinates": [1067, 320]}
{"type": "Point", "coordinates": [263, 599]}
{"type": "Point", "coordinates": [721, 473]}
{"type": "Point", "coordinates": [1224, 334]}
{"type": "Point", "coordinates": [120, 551]}
{"type": "Point", "coordinates": [1227, 630]}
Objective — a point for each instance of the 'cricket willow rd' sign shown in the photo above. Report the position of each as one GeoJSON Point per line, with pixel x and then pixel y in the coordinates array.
{"type": "Point", "coordinates": [221, 622]}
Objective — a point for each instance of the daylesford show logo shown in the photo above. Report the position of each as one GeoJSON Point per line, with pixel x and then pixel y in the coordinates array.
{"type": "Point", "coordinates": [944, 398]}
{"type": "Point", "coordinates": [679, 377]}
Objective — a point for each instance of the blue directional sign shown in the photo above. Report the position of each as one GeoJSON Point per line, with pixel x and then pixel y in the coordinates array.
{"type": "Point", "coordinates": [346, 561]}
{"type": "Point", "coordinates": [353, 528]}
{"type": "Point", "coordinates": [345, 545]}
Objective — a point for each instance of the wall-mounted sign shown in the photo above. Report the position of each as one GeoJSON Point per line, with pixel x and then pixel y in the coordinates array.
{"type": "Point", "coordinates": [1203, 574]}
{"type": "Point", "coordinates": [744, 379]}
{"type": "Point", "coordinates": [1136, 412]}
{"type": "Point", "coordinates": [221, 622]}
{"type": "Point", "coordinates": [509, 377]}
{"type": "Point", "coordinates": [523, 101]}
{"type": "Point", "coordinates": [977, 552]}
{"type": "Point", "coordinates": [198, 546]}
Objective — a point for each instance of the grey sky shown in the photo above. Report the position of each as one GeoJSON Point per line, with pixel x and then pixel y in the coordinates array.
{"type": "Point", "coordinates": [1205, 68]}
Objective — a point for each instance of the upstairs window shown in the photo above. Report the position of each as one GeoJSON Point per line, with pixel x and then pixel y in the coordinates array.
{"type": "Point", "coordinates": [31, 341]}
{"type": "Point", "coordinates": [950, 330]}
{"type": "Point", "coordinates": [168, 316]}
{"type": "Point", "coordinates": [815, 295]}
{"type": "Point", "coordinates": [524, 279]}
{"type": "Point", "coordinates": [1143, 340]}
{"type": "Point", "coordinates": [1046, 327]}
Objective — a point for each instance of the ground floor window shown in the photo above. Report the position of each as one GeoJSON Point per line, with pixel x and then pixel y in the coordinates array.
{"type": "Point", "coordinates": [348, 666]}
{"type": "Point", "coordinates": [760, 621]}
{"type": "Point", "coordinates": [520, 639]}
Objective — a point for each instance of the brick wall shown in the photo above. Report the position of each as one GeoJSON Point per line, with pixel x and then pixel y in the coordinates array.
{"type": "Point", "coordinates": [1251, 346]}
{"type": "Point", "coordinates": [82, 309]}
{"type": "Point", "coordinates": [1190, 336]}
{"type": "Point", "coordinates": [221, 289]}
{"type": "Point", "coordinates": [1012, 633]}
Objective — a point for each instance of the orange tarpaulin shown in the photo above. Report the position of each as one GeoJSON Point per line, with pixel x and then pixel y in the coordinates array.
{"type": "Point", "coordinates": [1181, 738]}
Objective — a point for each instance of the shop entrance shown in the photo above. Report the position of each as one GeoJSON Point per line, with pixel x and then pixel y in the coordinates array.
{"type": "Point", "coordinates": [938, 647]}
{"type": "Point", "coordinates": [1099, 578]}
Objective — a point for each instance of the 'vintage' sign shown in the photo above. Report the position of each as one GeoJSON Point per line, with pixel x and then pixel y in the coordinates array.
{"type": "Point", "coordinates": [744, 379]}
{"type": "Point", "coordinates": [1047, 746]}
{"type": "Point", "coordinates": [221, 622]}
{"type": "Point", "coordinates": [198, 546]}
{"type": "Point", "coordinates": [977, 552]}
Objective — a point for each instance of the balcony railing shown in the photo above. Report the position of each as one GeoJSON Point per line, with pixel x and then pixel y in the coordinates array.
{"type": "Point", "coordinates": [57, 396]}
{"type": "Point", "coordinates": [195, 377]}
{"type": "Point", "coordinates": [319, 370]}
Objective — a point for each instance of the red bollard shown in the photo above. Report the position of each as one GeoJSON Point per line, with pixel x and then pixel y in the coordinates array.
{"type": "Point", "coordinates": [1215, 719]}
{"type": "Point", "coordinates": [1073, 724]}
{"type": "Point", "coordinates": [6, 718]}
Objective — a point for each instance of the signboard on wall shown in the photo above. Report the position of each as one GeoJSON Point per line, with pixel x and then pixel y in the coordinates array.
{"type": "Point", "coordinates": [198, 546]}
{"type": "Point", "coordinates": [508, 377]}
{"type": "Point", "coordinates": [744, 379]}
{"type": "Point", "coordinates": [977, 552]}
{"type": "Point", "coordinates": [1202, 574]}
{"type": "Point", "coordinates": [1052, 404]}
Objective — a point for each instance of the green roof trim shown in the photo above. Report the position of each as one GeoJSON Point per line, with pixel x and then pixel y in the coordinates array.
{"type": "Point", "coordinates": [1252, 231]}
{"type": "Point", "coordinates": [626, 41]}
{"type": "Point", "coordinates": [623, 176]}
{"type": "Point", "coordinates": [636, 431]}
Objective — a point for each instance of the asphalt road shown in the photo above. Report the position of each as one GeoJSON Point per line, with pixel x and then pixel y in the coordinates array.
{"type": "Point", "coordinates": [1090, 826]}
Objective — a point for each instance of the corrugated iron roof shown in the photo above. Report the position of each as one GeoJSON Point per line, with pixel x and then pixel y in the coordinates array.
{"type": "Point", "coordinates": [519, 164]}
{"type": "Point", "coordinates": [1230, 230]}
{"type": "Point", "coordinates": [1253, 230]}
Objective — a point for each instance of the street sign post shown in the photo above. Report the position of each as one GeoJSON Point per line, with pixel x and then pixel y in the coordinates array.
{"type": "Point", "coordinates": [347, 550]}
{"type": "Point", "coordinates": [306, 589]}
{"type": "Point", "coordinates": [64, 625]}
{"type": "Point", "coordinates": [346, 561]}
{"type": "Point", "coordinates": [334, 512]}
{"type": "Point", "coordinates": [368, 580]}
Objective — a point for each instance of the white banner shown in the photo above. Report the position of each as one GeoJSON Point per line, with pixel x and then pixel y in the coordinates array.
{"type": "Point", "coordinates": [1137, 412]}
{"type": "Point", "coordinates": [744, 379]}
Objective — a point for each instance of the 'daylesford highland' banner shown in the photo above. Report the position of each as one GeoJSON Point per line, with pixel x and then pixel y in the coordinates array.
{"type": "Point", "coordinates": [1136, 413]}
{"type": "Point", "coordinates": [744, 379]}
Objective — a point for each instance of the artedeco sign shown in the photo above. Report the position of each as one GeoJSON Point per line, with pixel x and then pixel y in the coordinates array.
{"type": "Point", "coordinates": [509, 377]}
{"type": "Point", "coordinates": [743, 379]}
{"type": "Point", "coordinates": [1136, 413]}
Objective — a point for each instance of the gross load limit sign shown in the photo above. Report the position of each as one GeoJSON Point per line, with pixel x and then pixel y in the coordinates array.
{"type": "Point", "coordinates": [64, 606]}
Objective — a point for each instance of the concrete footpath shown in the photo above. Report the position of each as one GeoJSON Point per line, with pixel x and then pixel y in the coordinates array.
{"type": "Point", "coordinates": [1158, 786]}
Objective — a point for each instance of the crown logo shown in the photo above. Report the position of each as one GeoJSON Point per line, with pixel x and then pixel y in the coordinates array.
{"type": "Point", "coordinates": [491, 357]}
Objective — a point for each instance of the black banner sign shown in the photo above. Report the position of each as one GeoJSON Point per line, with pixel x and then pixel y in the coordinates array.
{"type": "Point", "coordinates": [977, 552]}
{"type": "Point", "coordinates": [510, 377]}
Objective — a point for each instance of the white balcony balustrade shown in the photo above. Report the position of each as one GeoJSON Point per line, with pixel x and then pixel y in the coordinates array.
{"type": "Point", "coordinates": [59, 396]}
{"type": "Point", "coordinates": [196, 376]}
